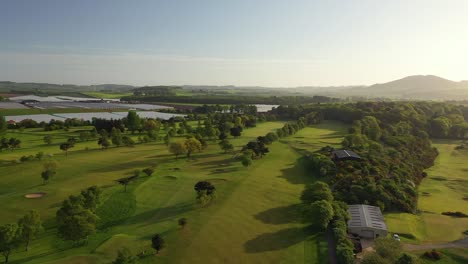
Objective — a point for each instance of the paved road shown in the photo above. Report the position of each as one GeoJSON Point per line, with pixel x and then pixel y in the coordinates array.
{"type": "Point", "coordinates": [462, 243]}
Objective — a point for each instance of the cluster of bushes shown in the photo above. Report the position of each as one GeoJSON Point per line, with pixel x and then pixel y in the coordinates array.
{"type": "Point", "coordinates": [38, 156]}
{"type": "Point", "coordinates": [9, 144]}
{"type": "Point", "coordinates": [455, 214]}
{"type": "Point", "coordinates": [433, 254]}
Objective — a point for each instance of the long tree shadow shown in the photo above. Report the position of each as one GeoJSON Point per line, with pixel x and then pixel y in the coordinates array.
{"type": "Point", "coordinates": [298, 172]}
{"type": "Point", "coordinates": [160, 214]}
{"type": "Point", "coordinates": [279, 240]}
{"type": "Point", "coordinates": [281, 215]}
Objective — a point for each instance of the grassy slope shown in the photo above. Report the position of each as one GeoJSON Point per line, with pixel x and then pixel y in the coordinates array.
{"type": "Point", "coordinates": [443, 190]}
{"type": "Point", "coordinates": [253, 220]}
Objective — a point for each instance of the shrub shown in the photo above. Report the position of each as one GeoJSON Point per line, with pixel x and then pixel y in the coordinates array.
{"type": "Point", "coordinates": [433, 254]}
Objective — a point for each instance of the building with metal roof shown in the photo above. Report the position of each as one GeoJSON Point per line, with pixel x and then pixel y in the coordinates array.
{"type": "Point", "coordinates": [366, 221]}
{"type": "Point", "coordinates": [343, 154]}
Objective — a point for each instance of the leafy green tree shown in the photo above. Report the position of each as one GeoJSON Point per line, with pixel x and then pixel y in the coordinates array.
{"type": "Point", "coordinates": [167, 139]}
{"type": "Point", "coordinates": [321, 213]}
{"type": "Point", "coordinates": [49, 170]}
{"type": "Point", "coordinates": [75, 222]}
{"type": "Point", "coordinates": [116, 137]}
{"type": "Point", "coordinates": [192, 145]}
{"type": "Point", "coordinates": [104, 142]}
{"type": "Point", "coordinates": [91, 197]}
{"type": "Point", "coordinates": [177, 148]}
{"type": "Point", "coordinates": [206, 192]}
{"type": "Point", "coordinates": [440, 127]}
{"type": "Point", "coordinates": [246, 161]}
{"type": "Point", "coordinates": [158, 243]}
{"type": "Point", "coordinates": [3, 125]}
{"type": "Point", "coordinates": [315, 192]}
{"type": "Point", "coordinates": [226, 146]}
{"type": "Point", "coordinates": [125, 256]}
{"type": "Point", "coordinates": [65, 147]}
{"type": "Point", "coordinates": [133, 121]}
{"type": "Point", "coordinates": [370, 127]}
{"type": "Point", "coordinates": [10, 239]}
{"type": "Point", "coordinates": [48, 139]}
{"type": "Point", "coordinates": [30, 225]}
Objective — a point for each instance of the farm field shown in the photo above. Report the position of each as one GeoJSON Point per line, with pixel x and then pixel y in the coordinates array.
{"type": "Point", "coordinates": [444, 189]}
{"type": "Point", "coordinates": [253, 220]}
{"type": "Point", "coordinates": [104, 95]}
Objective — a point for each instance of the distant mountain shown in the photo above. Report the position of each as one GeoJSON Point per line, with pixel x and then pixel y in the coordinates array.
{"type": "Point", "coordinates": [413, 87]}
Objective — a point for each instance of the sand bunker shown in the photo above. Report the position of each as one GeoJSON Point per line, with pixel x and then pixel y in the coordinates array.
{"type": "Point", "coordinates": [35, 195]}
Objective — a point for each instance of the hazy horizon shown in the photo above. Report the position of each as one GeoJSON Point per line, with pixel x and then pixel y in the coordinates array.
{"type": "Point", "coordinates": [265, 43]}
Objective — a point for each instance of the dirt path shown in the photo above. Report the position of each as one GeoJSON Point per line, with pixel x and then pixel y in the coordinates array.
{"type": "Point", "coordinates": [462, 243]}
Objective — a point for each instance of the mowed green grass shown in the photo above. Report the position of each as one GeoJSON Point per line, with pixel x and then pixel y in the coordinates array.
{"type": "Point", "coordinates": [254, 219]}
{"type": "Point", "coordinates": [445, 189]}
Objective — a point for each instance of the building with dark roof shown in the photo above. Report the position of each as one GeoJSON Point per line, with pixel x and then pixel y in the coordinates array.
{"type": "Point", "coordinates": [366, 221]}
{"type": "Point", "coordinates": [343, 154]}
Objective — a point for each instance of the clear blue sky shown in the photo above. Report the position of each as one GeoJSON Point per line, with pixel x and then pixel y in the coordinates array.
{"type": "Point", "coordinates": [241, 42]}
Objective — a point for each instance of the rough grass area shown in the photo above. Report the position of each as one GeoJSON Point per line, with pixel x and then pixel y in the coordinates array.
{"type": "Point", "coordinates": [253, 220]}
{"type": "Point", "coordinates": [445, 189]}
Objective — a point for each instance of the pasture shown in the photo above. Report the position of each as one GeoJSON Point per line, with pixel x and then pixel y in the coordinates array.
{"type": "Point", "coordinates": [254, 219]}
{"type": "Point", "coordinates": [444, 189]}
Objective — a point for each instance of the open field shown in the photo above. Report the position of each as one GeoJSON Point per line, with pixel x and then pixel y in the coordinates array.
{"type": "Point", "coordinates": [253, 220]}
{"type": "Point", "coordinates": [445, 189]}
{"type": "Point", "coordinates": [104, 95]}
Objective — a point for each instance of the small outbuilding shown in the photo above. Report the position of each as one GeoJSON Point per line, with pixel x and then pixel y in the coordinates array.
{"type": "Point", "coordinates": [343, 154]}
{"type": "Point", "coordinates": [366, 221]}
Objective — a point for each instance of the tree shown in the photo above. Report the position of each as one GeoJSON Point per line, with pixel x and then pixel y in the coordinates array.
{"type": "Point", "coordinates": [75, 221]}
{"type": "Point", "coordinates": [406, 258]}
{"type": "Point", "coordinates": [157, 242]}
{"type": "Point", "coordinates": [104, 142]}
{"type": "Point", "coordinates": [9, 239]}
{"type": "Point", "coordinates": [316, 192]}
{"type": "Point", "coordinates": [206, 192]}
{"type": "Point", "coordinates": [65, 147]}
{"type": "Point", "coordinates": [48, 139]}
{"type": "Point", "coordinates": [246, 161]}
{"type": "Point", "coordinates": [236, 132]}
{"type": "Point", "coordinates": [116, 137]}
{"type": "Point", "coordinates": [148, 171]}
{"type": "Point", "coordinates": [177, 148]}
{"type": "Point", "coordinates": [125, 256]}
{"type": "Point", "coordinates": [3, 125]}
{"type": "Point", "coordinates": [126, 181]}
{"type": "Point", "coordinates": [30, 225]}
{"type": "Point", "coordinates": [133, 121]}
{"type": "Point", "coordinates": [182, 222]}
{"type": "Point", "coordinates": [191, 145]}
{"type": "Point", "coordinates": [320, 213]}
{"type": "Point", "coordinates": [226, 146]}
{"type": "Point", "coordinates": [167, 139]}
{"type": "Point", "coordinates": [91, 197]}
{"type": "Point", "coordinates": [50, 169]}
